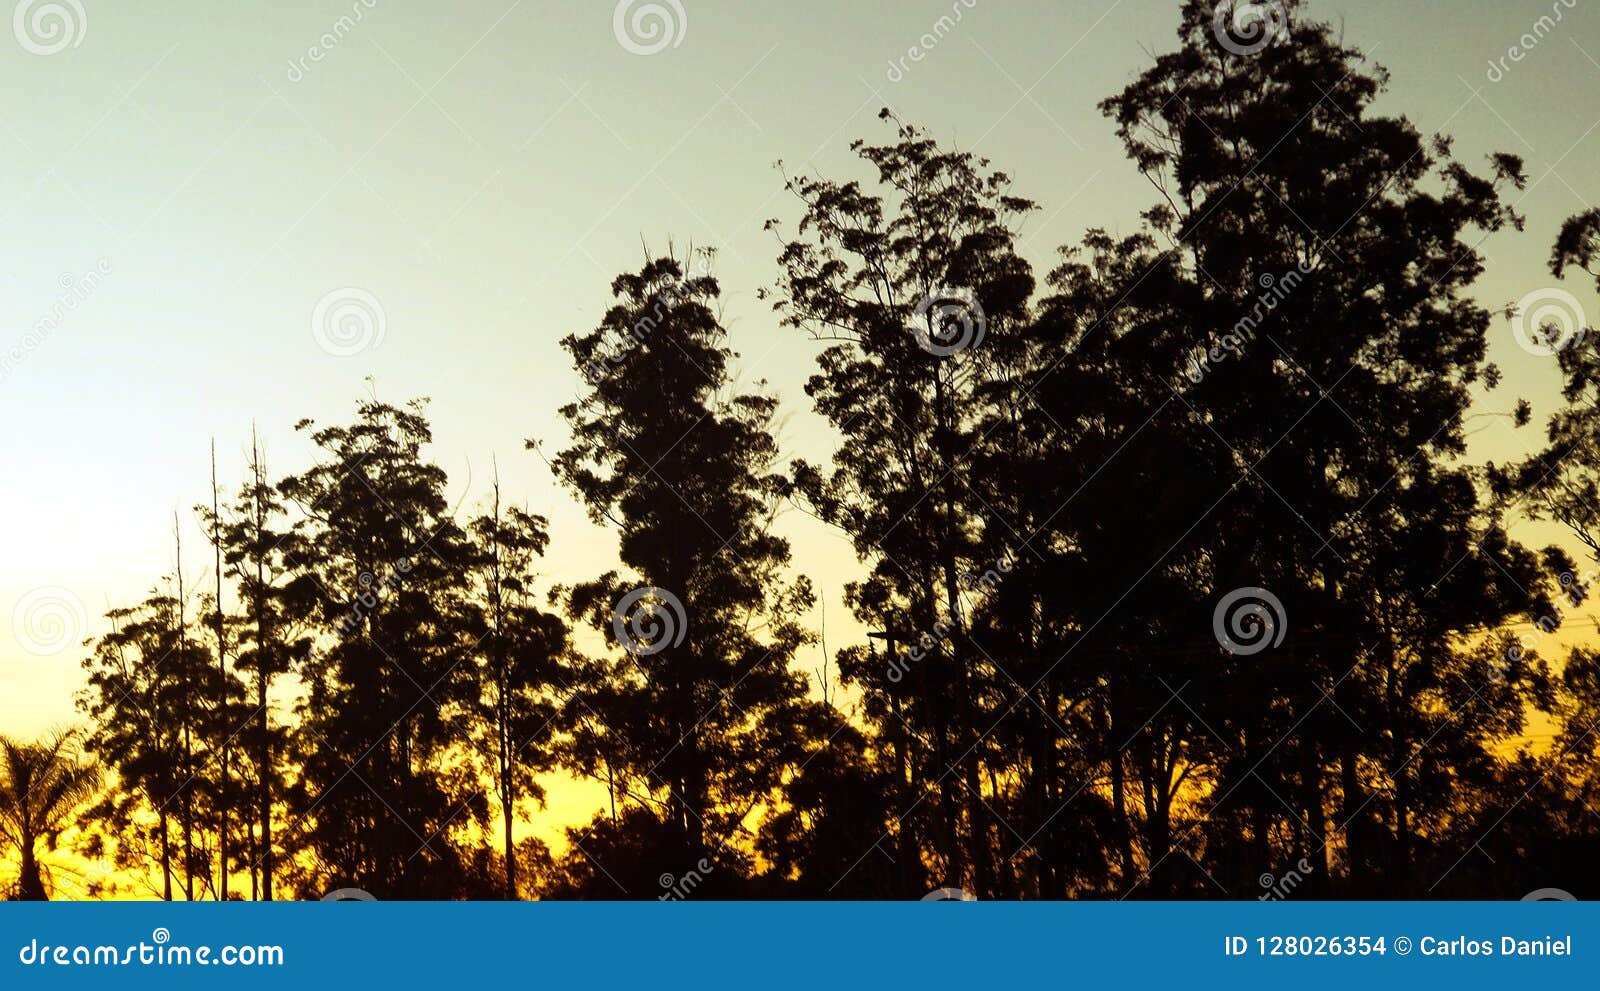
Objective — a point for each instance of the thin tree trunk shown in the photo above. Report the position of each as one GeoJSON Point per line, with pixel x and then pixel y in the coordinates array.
{"type": "Point", "coordinates": [187, 770]}
{"type": "Point", "coordinates": [222, 671]}
{"type": "Point", "coordinates": [166, 859]}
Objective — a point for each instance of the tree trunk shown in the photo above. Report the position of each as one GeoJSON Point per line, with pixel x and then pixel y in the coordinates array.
{"type": "Point", "coordinates": [222, 670]}
{"type": "Point", "coordinates": [511, 850]}
{"type": "Point", "coordinates": [265, 757]}
{"type": "Point", "coordinates": [31, 882]}
{"type": "Point", "coordinates": [166, 859]}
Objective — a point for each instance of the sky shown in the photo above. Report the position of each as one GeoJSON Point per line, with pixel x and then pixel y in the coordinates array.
{"type": "Point", "coordinates": [219, 215]}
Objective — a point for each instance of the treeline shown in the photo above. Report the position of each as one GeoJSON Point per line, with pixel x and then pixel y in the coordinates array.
{"type": "Point", "coordinates": [1180, 581]}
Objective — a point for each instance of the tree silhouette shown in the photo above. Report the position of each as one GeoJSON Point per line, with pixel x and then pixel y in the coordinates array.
{"type": "Point", "coordinates": [153, 697]}
{"type": "Point", "coordinates": [1338, 239]}
{"type": "Point", "coordinates": [376, 798]}
{"type": "Point", "coordinates": [270, 639]}
{"type": "Point", "coordinates": [697, 725]}
{"type": "Point", "coordinates": [1175, 569]}
{"type": "Point", "coordinates": [521, 650]}
{"type": "Point", "coordinates": [42, 787]}
{"type": "Point", "coordinates": [915, 292]}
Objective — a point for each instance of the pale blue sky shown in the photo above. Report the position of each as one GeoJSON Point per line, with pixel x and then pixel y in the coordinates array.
{"type": "Point", "coordinates": [483, 168]}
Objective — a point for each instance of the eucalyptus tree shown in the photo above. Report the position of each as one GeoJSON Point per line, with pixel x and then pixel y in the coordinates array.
{"type": "Point", "coordinates": [1331, 250]}
{"type": "Point", "coordinates": [918, 296]}
{"type": "Point", "coordinates": [148, 700]}
{"type": "Point", "coordinates": [521, 650]}
{"type": "Point", "coordinates": [379, 798]}
{"type": "Point", "coordinates": [270, 641]}
{"type": "Point", "coordinates": [694, 722]}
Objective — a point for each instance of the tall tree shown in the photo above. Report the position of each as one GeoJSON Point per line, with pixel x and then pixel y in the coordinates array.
{"type": "Point", "coordinates": [918, 292]}
{"type": "Point", "coordinates": [377, 795]}
{"type": "Point", "coordinates": [696, 723]}
{"type": "Point", "coordinates": [520, 649]}
{"type": "Point", "coordinates": [1335, 241]}
{"type": "Point", "coordinates": [147, 698]}
{"type": "Point", "coordinates": [271, 640]}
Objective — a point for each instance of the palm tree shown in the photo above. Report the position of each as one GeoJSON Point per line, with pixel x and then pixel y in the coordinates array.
{"type": "Point", "coordinates": [41, 785]}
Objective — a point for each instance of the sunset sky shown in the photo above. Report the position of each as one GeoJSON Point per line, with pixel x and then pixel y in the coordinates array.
{"type": "Point", "coordinates": [480, 170]}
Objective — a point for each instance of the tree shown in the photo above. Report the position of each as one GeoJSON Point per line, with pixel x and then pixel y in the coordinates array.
{"type": "Point", "coordinates": [378, 795]}
{"type": "Point", "coordinates": [257, 546]}
{"type": "Point", "coordinates": [521, 648]}
{"type": "Point", "coordinates": [1333, 241]}
{"type": "Point", "coordinates": [694, 725]}
{"type": "Point", "coordinates": [921, 298]}
{"type": "Point", "coordinates": [1562, 482]}
{"type": "Point", "coordinates": [152, 697]}
{"type": "Point", "coordinates": [42, 787]}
